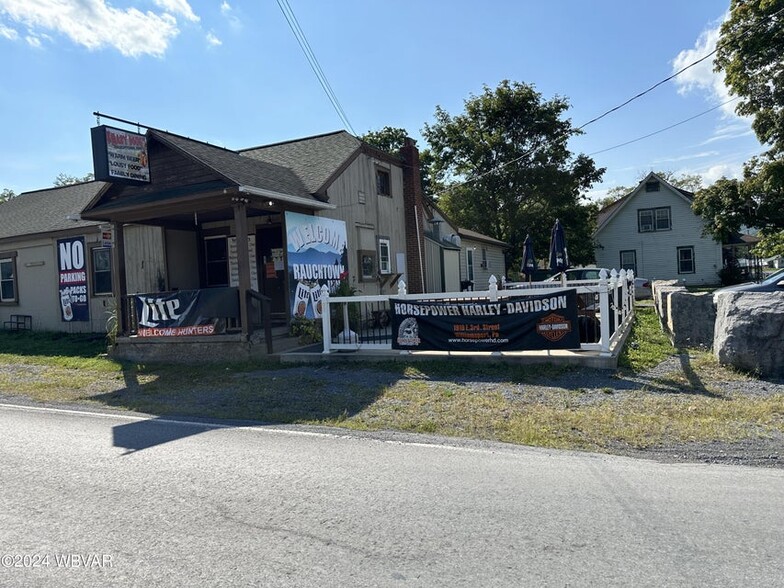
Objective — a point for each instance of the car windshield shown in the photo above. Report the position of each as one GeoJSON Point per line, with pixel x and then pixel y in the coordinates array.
{"type": "Point", "coordinates": [774, 277]}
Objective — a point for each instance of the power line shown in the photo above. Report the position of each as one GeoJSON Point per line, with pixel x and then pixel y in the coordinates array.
{"type": "Point", "coordinates": [310, 56]}
{"type": "Point", "coordinates": [677, 124]}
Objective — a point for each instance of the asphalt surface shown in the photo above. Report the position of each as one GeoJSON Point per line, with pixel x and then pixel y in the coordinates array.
{"type": "Point", "coordinates": [96, 499]}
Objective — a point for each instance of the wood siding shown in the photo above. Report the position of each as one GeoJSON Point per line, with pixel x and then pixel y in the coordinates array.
{"type": "Point", "coordinates": [145, 259]}
{"type": "Point", "coordinates": [657, 251]}
{"type": "Point", "coordinates": [380, 215]}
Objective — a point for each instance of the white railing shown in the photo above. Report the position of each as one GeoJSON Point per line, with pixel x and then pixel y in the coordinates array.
{"type": "Point", "coordinates": [365, 320]}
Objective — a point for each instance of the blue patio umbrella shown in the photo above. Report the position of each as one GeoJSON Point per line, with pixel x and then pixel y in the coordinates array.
{"type": "Point", "coordinates": [528, 267]}
{"type": "Point", "coordinates": [559, 257]}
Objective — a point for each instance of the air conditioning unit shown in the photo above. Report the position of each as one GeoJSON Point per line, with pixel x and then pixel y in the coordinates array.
{"type": "Point", "coordinates": [455, 239]}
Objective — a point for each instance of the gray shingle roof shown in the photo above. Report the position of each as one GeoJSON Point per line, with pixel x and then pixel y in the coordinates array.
{"type": "Point", "coordinates": [47, 210]}
{"type": "Point", "coordinates": [244, 171]}
{"type": "Point", "coordinates": [313, 159]}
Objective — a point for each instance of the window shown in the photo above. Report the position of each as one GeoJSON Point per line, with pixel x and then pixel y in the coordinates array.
{"type": "Point", "coordinates": [102, 271]}
{"type": "Point", "coordinates": [367, 265]}
{"type": "Point", "coordinates": [484, 258]}
{"type": "Point", "coordinates": [470, 264]}
{"type": "Point", "coordinates": [652, 186]}
{"type": "Point", "coordinates": [653, 219]}
{"type": "Point", "coordinates": [384, 257]}
{"type": "Point", "coordinates": [216, 258]}
{"type": "Point", "coordinates": [382, 182]}
{"type": "Point", "coordinates": [629, 260]}
{"type": "Point", "coordinates": [8, 279]}
{"type": "Point", "coordinates": [685, 260]}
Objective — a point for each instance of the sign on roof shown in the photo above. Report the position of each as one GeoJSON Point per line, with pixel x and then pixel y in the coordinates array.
{"type": "Point", "coordinates": [120, 156]}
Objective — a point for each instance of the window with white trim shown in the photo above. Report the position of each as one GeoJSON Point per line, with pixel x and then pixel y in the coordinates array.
{"type": "Point", "coordinates": [629, 260]}
{"type": "Point", "coordinates": [384, 256]}
{"type": "Point", "coordinates": [8, 279]}
{"type": "Point", "coordinates": [686, 260]}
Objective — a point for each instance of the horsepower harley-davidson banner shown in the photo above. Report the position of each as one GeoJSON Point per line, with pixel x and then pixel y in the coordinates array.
{"type": "Point", "coordinates": [547, 321]}
{"type": "Point", "coordinates": [186, 313]}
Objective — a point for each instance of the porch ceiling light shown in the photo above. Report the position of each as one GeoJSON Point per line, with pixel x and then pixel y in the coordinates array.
{"type": "Point", "coordinates": [270, 203]}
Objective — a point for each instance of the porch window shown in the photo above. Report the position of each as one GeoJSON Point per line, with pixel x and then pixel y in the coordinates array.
{"type": "Point", "coordinates": [629, 260]}
{"type": "Point", "coordinates": [102, 271]}
{"type": "Point", "coordinates": [686, 260]}
{"type": "Point", "coordinates": [384, 257]}
{"type": "Point", "coordinates": [470, 264]}
{"type": "Point", "coordinates": [216, 257]}
{"type": "Point", "coordinates": [8, 279]}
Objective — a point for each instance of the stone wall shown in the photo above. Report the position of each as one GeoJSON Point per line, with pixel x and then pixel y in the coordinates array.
{"type": "Point", "coordinates": [691, 318]}
{"type": "Point", "coordinates": [749, 332]}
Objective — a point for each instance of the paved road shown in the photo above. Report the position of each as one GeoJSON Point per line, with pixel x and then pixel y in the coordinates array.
{"type": "Point", "coordinates": [138, 501]}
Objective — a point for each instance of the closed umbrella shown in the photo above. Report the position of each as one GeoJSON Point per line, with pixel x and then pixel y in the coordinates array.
{"type": "Point", "coordinates": [528, 266]}
{"type": "Point", "coordinates": [559, 258]}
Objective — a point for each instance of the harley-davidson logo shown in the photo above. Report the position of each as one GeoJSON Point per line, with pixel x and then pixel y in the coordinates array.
{"type": "Point", "coordinates": [554, 327]}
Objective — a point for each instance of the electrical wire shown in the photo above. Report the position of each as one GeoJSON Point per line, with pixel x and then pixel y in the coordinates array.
{"type": "Point", "coordinates": [310, 56]}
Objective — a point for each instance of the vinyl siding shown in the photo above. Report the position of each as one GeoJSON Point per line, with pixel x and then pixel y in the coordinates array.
{"type": "Point", "coordinates": [496, 263]}
{"type": "Point", "coordinates": [657, 251]}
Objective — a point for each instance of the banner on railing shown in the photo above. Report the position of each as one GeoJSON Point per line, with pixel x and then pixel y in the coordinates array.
{"type": "Point", "coordinates": [524, 323]}
{"type": "Point", "coordinates": [185, 313]}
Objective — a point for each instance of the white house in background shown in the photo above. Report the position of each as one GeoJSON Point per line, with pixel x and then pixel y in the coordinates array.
{"type": "Point", "coordinates": [653, 231]}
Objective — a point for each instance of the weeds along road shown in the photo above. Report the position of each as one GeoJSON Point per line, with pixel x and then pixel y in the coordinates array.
{"type": "Point", "coordinates": [133, 500]}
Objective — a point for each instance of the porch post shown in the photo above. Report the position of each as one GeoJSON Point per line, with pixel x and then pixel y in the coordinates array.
{"type": "Point", "coordinates": [119, 283]}
{"type": "Point", "coordinates": [243, 260]}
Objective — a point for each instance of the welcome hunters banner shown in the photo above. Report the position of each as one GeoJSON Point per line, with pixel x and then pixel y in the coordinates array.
{"type": "Point", "coordinates": [546, 321]}
{"type": "Point", "coordinates": [185, 313]}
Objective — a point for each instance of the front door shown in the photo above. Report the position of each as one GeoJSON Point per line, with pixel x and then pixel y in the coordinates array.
{"type": "Point", "coordinates": [272, 268]}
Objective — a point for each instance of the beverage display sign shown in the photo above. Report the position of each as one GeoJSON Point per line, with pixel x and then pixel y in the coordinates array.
{"type": "Point", "coordinates": [317, 258]}
{"type": "Point", "coordinates": [120, 156]}
{"type": "Point", "coordinates": [72, 278]}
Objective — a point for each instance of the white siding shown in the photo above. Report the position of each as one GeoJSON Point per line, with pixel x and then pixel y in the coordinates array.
{"type": "Point", "coordinates": [495, 266]}
{"type": "Point", "coordinates": [657, 251]}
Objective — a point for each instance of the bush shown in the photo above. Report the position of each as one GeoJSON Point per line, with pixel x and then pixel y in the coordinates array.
{"type": "Point", "coordinates": [306, 330]}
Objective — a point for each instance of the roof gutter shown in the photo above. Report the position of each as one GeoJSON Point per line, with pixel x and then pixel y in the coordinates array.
{"type": "Point", "coordinates": [315, 204]}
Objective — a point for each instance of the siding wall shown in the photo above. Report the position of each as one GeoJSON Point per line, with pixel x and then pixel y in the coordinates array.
{"type": "Point", "coordinates": [657, 252]}
{"type": "Point", "coordinates": [496, 263]}
{"type": "Point", "coordinates": [145, 259]}
{"type": "Point", "coordinates": [379, 216]}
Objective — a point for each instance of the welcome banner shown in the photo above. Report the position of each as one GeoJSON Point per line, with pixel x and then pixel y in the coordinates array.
{"type": "Point", "coordinates": [547, 321]}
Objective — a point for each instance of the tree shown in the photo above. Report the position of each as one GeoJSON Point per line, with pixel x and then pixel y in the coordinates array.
{"type": "Point", "coordinates": [6, 194]}
{"type": "Point", "coordinates": [64, 179]}
{"type": "Point", "coordinates": [390, 140]}
{"type": "Point", "coordinates": [749, 53]}
{"type": "Point", "coordinates": [508, 171]}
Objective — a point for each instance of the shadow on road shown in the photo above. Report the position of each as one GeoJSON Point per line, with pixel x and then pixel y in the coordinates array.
{"type": "Point", "coordinates": [145, 434]}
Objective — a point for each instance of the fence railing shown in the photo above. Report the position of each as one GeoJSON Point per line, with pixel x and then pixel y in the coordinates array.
{"type": "Point", "coordinates": [605, 311]}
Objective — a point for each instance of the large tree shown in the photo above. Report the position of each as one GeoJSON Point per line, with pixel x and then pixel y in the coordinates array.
{"type": "Point", "coordinates": [507, 170]}
{"type": "Point", "coordinates": [6, 194]}
{"type": "Point", "coordinates": [749, 52]}
{"type": "Point", "coordinates": [391, 139]}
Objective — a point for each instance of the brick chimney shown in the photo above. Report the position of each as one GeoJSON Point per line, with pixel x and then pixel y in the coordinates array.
{"type": "Point", "coordinates": [414, 213]}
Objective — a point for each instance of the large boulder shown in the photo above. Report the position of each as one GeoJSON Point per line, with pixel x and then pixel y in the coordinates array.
{"type": "Point", "coordinates": [750, 331]}
{"type": "Point", "coordinates": [691, 318]}
{"type": "Point", "coordinates": [661, 292]}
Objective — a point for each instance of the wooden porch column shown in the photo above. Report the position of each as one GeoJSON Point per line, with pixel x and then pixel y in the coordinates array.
{"type": "Point", "coordinates": [119, 283]}
{"type": "Point", "coordinates": [243, 260]}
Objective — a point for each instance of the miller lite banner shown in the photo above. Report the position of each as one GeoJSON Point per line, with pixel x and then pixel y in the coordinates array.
{"type": "Point", "coordinates": [185, 313]}
{"type": "Point", "coordinates": [120, 156]}
{"type": "Point", "coordinates": [72, 280]}
{"type": "Point", "coordinates": [524, 323]}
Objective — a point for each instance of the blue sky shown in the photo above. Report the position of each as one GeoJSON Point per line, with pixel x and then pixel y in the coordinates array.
{"type": "Point", "coordinates": [230, 72]}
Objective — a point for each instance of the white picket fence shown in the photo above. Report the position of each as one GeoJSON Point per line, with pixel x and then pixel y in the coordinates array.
{"type": "Point", "coordinates": [610, 299]}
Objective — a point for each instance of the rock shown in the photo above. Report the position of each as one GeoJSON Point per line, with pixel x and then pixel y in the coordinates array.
{"type": "Point", "coordinates": [750, 331]}
{"type": "Point", "coordinates": [691, 318]}
{"type": "Point", "coordinates": [661, 290]}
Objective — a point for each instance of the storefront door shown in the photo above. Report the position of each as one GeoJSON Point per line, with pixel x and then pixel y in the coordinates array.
{"type": "Point", "coordinates": [272, 267]}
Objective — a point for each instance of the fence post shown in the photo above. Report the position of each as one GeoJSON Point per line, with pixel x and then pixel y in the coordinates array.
{"type": "Point", "coordinates": [326, 320]}
{"type": "Point", "coordinates": [632, 293]}
{"type": "Point", "coordinates": [604, 313]}
{"type": "Point", "coordinates": [493, 289]}
{"type": "Point", "coordinates": [622, 275]}
{"type": "Point", "coordinates": [401, 288]}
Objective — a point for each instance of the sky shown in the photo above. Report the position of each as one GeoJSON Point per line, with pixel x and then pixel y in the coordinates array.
{"type": "Point", "coordinates": [230, 72]}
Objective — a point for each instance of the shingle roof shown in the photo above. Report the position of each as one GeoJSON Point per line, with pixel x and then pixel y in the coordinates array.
{"type": "Point", "coordinates": [244, 171]}
{"type": "Point", "coordinates": [44, 211]}
{"type": "Point", "coordinates": [467, 234]}
{"type": "Point", "coordinates": [313, 159]}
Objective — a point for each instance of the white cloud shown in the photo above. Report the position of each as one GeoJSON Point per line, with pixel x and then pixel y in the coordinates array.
{"type": "Point", "coordinates": [33, 41]}
{"type": "Point", "coordinates": [8, 33]}
{"type": "Point", "coordinates": [230, 15]}
{"type": "Point", "coordinates": [701, 77]}
{"type": "Point", "coordinates": [96, 25]}
{"type": "Point", "coordinates": [686, 157]}
{"type": "Point", "coordinates": [213, 41]}
{"type": "Point", "coordinates": [180, 7]}
{"type": "Point", "coordinates": [225, 7]}
{"type": "Point", "coordinates": [729, 131]}
{"type": "Point", "coordinates": [722, 170]}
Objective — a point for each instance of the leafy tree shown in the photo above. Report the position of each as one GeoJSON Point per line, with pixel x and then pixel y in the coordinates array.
{"type": "Point", "coordinates": [749, 53]}
{"type": "Point", "coordinates": [391, 139]}
{"type": "Point", "coordinates": [508, 171]}
{"type": "Point", "coordinates": [6, 194]}
{"type": "Point", "coordinates": [64, 179]}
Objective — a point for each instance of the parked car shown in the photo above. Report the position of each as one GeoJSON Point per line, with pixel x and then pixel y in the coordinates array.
{"type": "Point", "coordinates": [773, 283]}
{"type": "Point", "coordinates": [642, 287]}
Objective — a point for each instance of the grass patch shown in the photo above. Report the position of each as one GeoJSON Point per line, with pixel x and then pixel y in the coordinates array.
{"type": "Point", "coordinates": [647, 345]}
